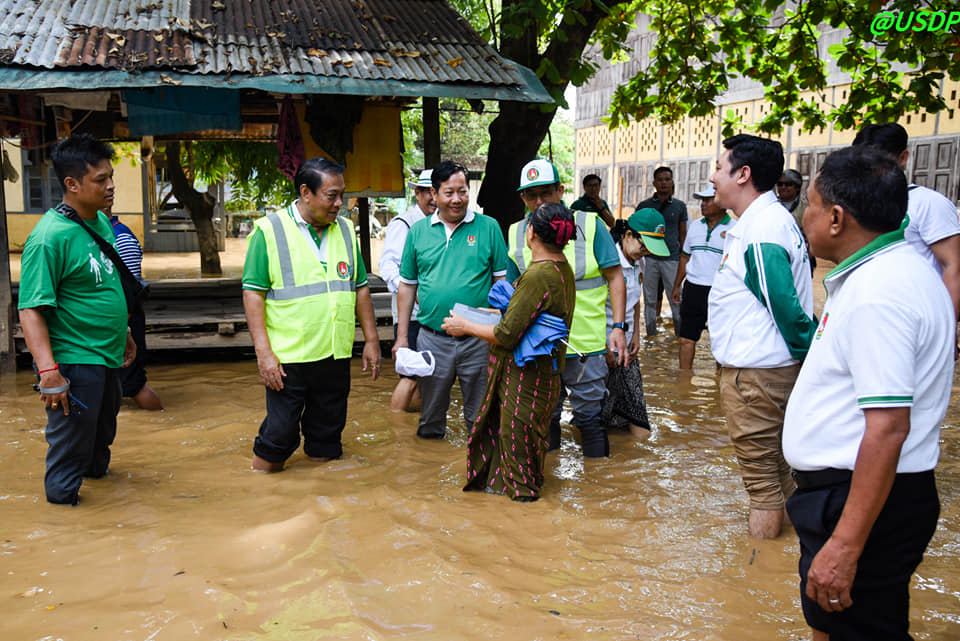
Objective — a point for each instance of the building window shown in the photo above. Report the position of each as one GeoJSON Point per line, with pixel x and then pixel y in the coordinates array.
{"type": "Point", "coordinates": [42, 190]}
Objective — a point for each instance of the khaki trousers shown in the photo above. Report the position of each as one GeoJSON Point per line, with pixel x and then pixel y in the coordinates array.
{"type": "Point", "coordinates": [754, 401]}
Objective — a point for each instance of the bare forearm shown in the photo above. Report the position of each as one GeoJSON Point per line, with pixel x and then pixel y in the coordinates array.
{"type": "Point", "coordinates": [364, 311]}
{"type": "Point", "coordinates": [37, 337]}
{"type": "Point", "coordinates": [405, 297]}
{"type": "Point", "coordinates": [254, 308]}
{"type": "Point", "coordinates": [873, 475]}
{"type": "Point", "coordinates": [618, 292]}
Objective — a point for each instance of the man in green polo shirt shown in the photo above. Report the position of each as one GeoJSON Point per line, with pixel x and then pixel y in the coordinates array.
{"type": "Point", "coordinates": [74, 318]}
{"type": "Point", "coordinates": [454, 256]}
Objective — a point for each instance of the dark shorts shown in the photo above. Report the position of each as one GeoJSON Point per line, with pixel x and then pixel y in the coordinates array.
{"type": "Point", "coordinates": [894, 549]}
{"type": "Point", "coordinates": [693, 310]}
{"type": "Point", "coordinates": [413, 331]}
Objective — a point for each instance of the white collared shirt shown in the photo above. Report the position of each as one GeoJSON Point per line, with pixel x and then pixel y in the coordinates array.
{"type": "Point", "coordinates": [885, 340]}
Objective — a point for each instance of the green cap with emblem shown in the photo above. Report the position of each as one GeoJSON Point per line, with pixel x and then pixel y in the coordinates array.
{"type": "Point", "coordinates": [648, 224]}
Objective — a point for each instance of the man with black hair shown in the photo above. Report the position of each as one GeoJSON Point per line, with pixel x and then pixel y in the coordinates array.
{"type": "Point", "coordinates": [74, 318]}
{"type": "Point", "coordinates": [591, 201]}
{"type": "Point", "coordinates": [760, 312]}
{"type": "Point", "coordinates": [863, 423]}
{"type": "Point", "coordinates": [933, 227]}
{"type": "Point", "coordinates": [304, 288]}
{"type": "Point", "coordinates": [453, 256]}
{"type": "Point", "coordinates": [660, 271]}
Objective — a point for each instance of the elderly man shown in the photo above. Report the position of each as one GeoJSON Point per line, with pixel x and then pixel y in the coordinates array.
{"type": "Point", "coordinates": [699, 260]}
{"type": "Point", "coordinates": [454, 256]}
{"type": "Point", "coordinates": [304, 287]}
{"type": "Point", "coordinates": [74, 318]}
{"type": "Point", "coordinates": [596, 266]}
{"type": "Point", "coordinates": [788, 193]}
{"type": "Point", "coordinates": [862, 426]}
{"type": "Point", "coordinates": [660, 271]}
{"type": "Point", "coordinates": [761, 320]}
{"type": "Point", "coordinates": [395, 236]}
{"type": "Point", "coordinates": [933, 227]}
{"type": "Point", "coordinates": [591, 201]}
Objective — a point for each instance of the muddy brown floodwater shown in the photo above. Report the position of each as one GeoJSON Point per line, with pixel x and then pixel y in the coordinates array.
{"type": "Point", "coordinates": [182, 541]}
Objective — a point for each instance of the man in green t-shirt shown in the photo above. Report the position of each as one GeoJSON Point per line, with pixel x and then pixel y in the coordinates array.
{"type": "Point", "coordinates": [74, 318]}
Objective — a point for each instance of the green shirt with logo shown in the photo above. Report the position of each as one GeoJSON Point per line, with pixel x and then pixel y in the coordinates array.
{"type": "Point", "coordinates": [77, 288]}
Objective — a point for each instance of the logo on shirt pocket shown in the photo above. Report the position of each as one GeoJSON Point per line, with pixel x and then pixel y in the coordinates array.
{"type": "Point", "coordinates": [342, 269]}
{"type": "Point", "coordinates": [471, 241]}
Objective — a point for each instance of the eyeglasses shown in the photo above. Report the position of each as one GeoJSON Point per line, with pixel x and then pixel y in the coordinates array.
{"type": "Point", "coordinates": [782, 184]}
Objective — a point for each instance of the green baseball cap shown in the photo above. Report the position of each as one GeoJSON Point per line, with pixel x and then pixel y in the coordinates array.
{"type": "Point", "coordinates": [538, 172]}
{"type": "Point", "coordinates": [648, 224]}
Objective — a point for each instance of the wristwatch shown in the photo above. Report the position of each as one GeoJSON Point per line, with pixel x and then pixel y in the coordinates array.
{"type": "Point", "coordinates": [622, 326]}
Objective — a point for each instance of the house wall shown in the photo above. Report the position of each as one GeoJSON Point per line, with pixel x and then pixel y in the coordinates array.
{"type": "Point", "coordinates": [128, 202]}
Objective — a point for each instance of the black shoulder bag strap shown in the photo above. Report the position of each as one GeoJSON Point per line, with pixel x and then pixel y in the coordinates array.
{"type": "Point", "coordinates": [135, 292]}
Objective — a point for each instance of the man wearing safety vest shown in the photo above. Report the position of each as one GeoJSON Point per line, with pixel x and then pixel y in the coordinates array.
{"type": "Point", "coordinates": [304, 284]}
{"type": "Point", "coordinates": [596, 266]}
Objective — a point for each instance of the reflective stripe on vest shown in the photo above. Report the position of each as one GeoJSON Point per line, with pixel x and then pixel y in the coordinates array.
{"type": "Point", "coordinates": [588, 330]}
{"type": "Point", "coordinates": [290, 290]}
{"type": "Point", "coordinates": [310, 309]}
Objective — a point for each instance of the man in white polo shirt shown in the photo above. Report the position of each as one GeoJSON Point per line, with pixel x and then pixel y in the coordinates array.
{"type": "Point", "coordinates": [699, 260]}
{"type": "Point", "coordinates": [394, 238]}
{"type": "Point", "coordinates": [761, 320]}
{"type": "Point", "coordinates": [863, 423]}
{"type": "Point", "coordinates": [933, 227]}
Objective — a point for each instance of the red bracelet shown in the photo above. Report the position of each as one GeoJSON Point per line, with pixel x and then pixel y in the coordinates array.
{"type": "Point", "coordinates": [55, 367]}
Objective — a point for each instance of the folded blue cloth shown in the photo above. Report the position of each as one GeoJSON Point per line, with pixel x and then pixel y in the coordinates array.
{"type": "Point", "coordinates": [541, 337]}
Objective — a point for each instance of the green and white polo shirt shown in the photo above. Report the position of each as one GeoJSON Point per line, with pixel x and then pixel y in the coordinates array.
{"type": "Point", "coordinates": [885, 340]}
{"type": "Point", "coordinates": [704, 246]}
{"type": "Point", "coordinates": [761, 301]}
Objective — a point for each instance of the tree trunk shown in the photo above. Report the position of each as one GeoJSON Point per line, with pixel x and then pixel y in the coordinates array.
{"type": "Point", "coordinates": [515, 137]}
{"type": "Point", "coordinates": [517, 132]}
{"type": "Point", "coordinates": [201, 206]}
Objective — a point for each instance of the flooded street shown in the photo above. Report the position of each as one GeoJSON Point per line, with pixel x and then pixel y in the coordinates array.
{"type": "Point", "coordinates": [182, 541]}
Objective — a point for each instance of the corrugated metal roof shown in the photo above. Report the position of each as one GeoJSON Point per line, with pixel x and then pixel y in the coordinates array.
{"type": "Point", "coordinates": [422, 41]}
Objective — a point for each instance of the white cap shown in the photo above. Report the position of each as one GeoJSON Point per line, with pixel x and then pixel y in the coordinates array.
{"type": "Point", "coordinates": [538, 172]}
{"type": "Point", "coordinates": [706, 192]}
{"type": "Point", "coordinates": [424, 179]}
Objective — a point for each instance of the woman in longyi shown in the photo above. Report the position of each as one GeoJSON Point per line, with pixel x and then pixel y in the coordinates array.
{"type": "Point", "coordinates": [507, 446]}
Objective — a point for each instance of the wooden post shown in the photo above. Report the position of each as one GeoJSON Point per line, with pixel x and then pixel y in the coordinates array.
{"type": "Point", "coordinates": [8, 355]}
{"type": "Point", "coordinates": [431, 132]}
{"type": "Point", "coordinates": [363, 206]}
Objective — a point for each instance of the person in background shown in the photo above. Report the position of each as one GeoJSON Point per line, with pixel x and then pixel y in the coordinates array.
{"type": "Point", "coordinates": [660, 271]}
{"type": "Point", "coordinates": [133, 379]}
{"type": "Point", "coordinates": [788, 193]}
{"type": "Point", "coordinates": [304, 289]}
{"type": "Point", "coordinates": [625, 406]}
{"type": "Point", "coordinates": [74, 318]}
{"type": "Point", "coordinates": [862, 427]}
{"type": "Point", "coordinates": [699, 260]}
{"type": "Point", "coordinates": [591, 201]}
{"type": "Point", "coordinates": [509, 440]}
{"type": "Point", "coordinates": [405, 393]}
{"type": "Point", "coordinates": [933, 227]}
{"type": "Point", "coordinates": [761, 321]}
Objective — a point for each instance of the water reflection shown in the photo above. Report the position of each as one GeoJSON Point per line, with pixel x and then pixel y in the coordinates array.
{"type": "Point", "coordinates": [182, 541]}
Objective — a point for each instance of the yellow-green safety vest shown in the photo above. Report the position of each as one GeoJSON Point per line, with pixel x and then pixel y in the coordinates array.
{"type": "Point", "coordinates": [588, 331]}
{"type": "Point", "coordinates": [310, 311]}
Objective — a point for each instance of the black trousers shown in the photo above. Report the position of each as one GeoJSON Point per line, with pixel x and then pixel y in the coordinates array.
{"type": "Point", "coordinates": [894, 549]}
{"type": "Point", "coordinates": [313, 402]}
